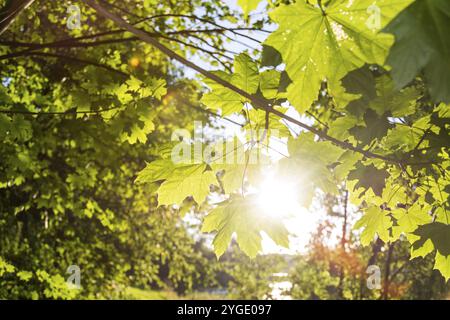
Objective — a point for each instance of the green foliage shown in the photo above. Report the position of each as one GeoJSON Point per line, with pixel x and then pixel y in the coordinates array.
{"type": "Point", "coordinates": [312, 159]}
{"type": "Point", "coordinates": [246, 76]}
{"type": "Point", "coordinates": [422, 45]}
{"type": "Point", "coordinates": [335, 72]}
{"type": "Point", "coordinates": [251, 279]}
{"type": "Point", "coordinates": [180, 181]}
{"type": "Point", "coordinates": [73, 137]}
{"type": "Point", "coordinates": [434, 236]}
{"type": "Point", "coordinates": [241, 216]}
{"type": "Point", "coordinates": [79, 120]}
{"type": "Point", "coordinates": [328, 42]}
{"type": "Point", "coordinates": [312, 282]}
{"type": "Point", "coordinates": [248, 5]}
{"type": "Point", "coordinates": [376, 222]}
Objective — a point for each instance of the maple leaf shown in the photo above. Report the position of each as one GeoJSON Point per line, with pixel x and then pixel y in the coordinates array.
{"type": "Point", "coordinates": [245, 77]}
{"type": "Point", "coordinates": [369, 177]}
{"type": "Point", "coordinates": [248, 5]}
{"type": "Point", "coordinates": [325, 43]}
{"type": "Point", "coordinates": [434, 236]}
{"type": "Point", "coordinates": [243, 217]}
{"type": "Point", "coordinates": [422, 43]}
{"type": "Point", "coordinates": [180, 180]}
{"type": "Point", "coordinates": [408, 220]}
{"type": "Point", "coordinates": [375, 222]}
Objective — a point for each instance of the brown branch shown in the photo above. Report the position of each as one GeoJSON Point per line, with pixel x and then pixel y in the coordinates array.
{"type": "Point", "coordinates": [214, 46]}
{"type": "Point", "coordinates": [317, 119]}
{"type": "Point", "coordinates": [215, 115]}
{"type": "Point", "coordinates": [232, 30]}
{"type": "Point", "coordinates": [422, 139]}
{"type": "Point", "coordinates": [197, 47]}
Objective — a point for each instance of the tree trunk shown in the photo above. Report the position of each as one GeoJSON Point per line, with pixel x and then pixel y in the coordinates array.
{"type": "Point", "coordinates": [343, 242]}
{"type": "Point", "coordinates": [387, 272]}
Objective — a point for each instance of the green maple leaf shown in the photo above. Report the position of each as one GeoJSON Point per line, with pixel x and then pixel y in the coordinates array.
{"type": "Point", "coordinates": [442, 263]}
{"type": "Point", "coordinates": [379, 94]}
{"type": "Point", "coordinates": [222, 98]}
{"type": "Point", "coordinates": [138, 133]}
{"type": "Point", "coordinates": [248, 5]}
{"type": "Point", "coordinates": [236, 174]}
{"type": "Point", "coordinates": [180, 181]}
{"type": "Point", "coordinates": [438, 233]}
{"type": "Point", "coordinates": [245, 77]}
{"type": "Point", "coordinates": [328, 43]}
{"type": "Point", "coordinates": [409, 220]}
{"type": "Point", "coordinates": [257, 123]}
{"type": "Point", "coordinates": [442, 213]}
{"type": "Point", "coordinates": [422, 43]}
{"type": "Point", "coordinates": [238, 166]}
{"type": "Point", "coordinates": [420, 251]}
{"type": "Point", "coordinates": [434, 236]}
{"type": "Point", "coordinates": [21, 129]}
{"type": "Point", "coordinates": [242, 217]}
{"type": "Point", "coordinates": [389, 99]}
{"type": "Point", "coordinates": [155, 171]}
{"type": "Point", "coordinates": [190, 180]}
{"type": "Point", "coordinates": [306, 147]}
{"type": "Point", "coordinates": [139, 130]}
{"type": "Point", "coordinates": [375, 222]}
{"type": "Point", "coordinates": [309, 164]}
{"type": "Point", "coordinates": [359, 83]}
{"type": "Point", "coordinates": [270, 57]}
{"type": "Point", "coordinates": [273, 84]}
{"type": "Point", "coordinates": [369, 177]}
{"type": "Point", "coordinates": [134, 88]}
{"type": "Point", "coordinates": [339, 129]}
{"type": "Point", "coordinates": [5, 267]}
{"type": "Point", "coordinates": [402, 138]}
{"type": "Point", "coordinates": [270, 83]}
{"type": "Point", "coordinates": [376, 127]}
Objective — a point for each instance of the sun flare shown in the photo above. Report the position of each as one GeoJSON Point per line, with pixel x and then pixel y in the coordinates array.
{"type": "Point", "coordinates": [278, 198]}
{"type": "Point", "coordinates": [282, 198]}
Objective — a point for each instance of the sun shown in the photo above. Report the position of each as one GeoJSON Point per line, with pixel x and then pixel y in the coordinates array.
{"type": "Point", "coordinates": [281, 198]}
{"type": "Point", "coordinates": [278, 197]}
